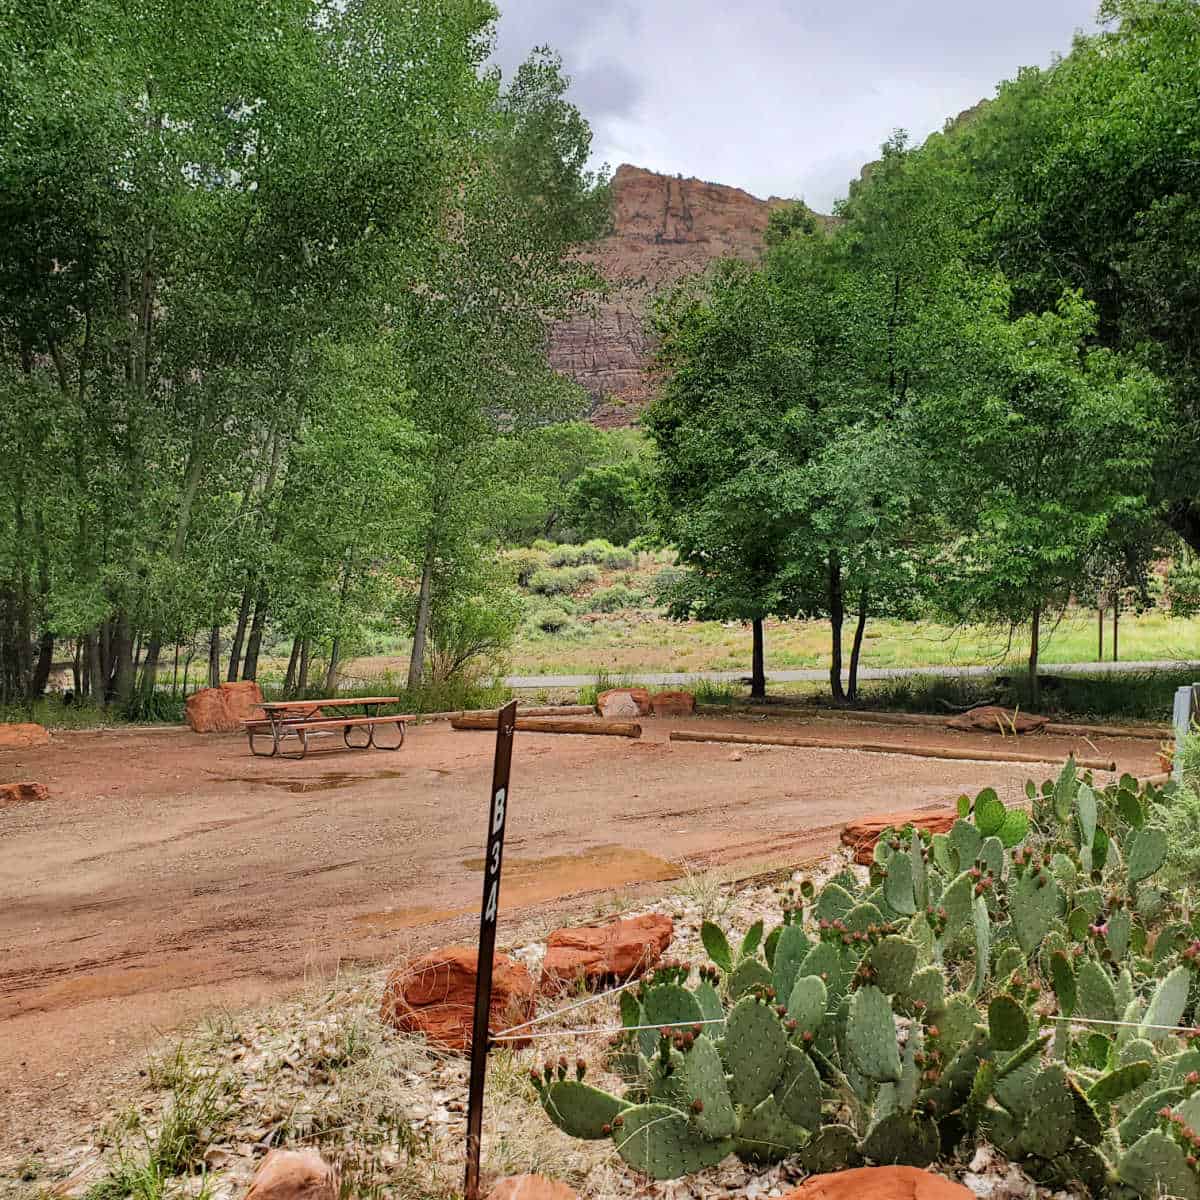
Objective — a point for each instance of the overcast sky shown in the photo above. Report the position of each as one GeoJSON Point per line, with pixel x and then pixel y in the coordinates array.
{"type": "Point", "coordinates": [780, 97]}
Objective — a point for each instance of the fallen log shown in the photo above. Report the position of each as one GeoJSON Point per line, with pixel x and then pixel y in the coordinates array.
{"type": "Point", "coordinates": [756, 739]}
{"type": "Point", "coordinates": [629, 729]}
{"type": "Point", "coordinates": [1151, 733]}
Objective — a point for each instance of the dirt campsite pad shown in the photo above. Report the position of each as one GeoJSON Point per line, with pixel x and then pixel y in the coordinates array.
{"type": "Point", "coordinates": [169, 872]}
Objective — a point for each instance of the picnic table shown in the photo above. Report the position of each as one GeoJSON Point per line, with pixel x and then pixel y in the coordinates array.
{"type": "Point", "coordinates": [303, 720]}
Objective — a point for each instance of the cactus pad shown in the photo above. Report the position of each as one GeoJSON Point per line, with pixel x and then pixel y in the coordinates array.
{"type": "Point", "coordinates": [798, 1092]}
{"type": "Point", "coordinates": [871, 1036]}
{"type": "Point", "coordinates": [1119, 1082]}
{"type": "Point", "coordinates": [824, 960]}
{"type": "Point", "coordinates": [766, 1135]}
{"type": "Point", "coordinates": [806, 1005]}
{"type": "Point", "coordinates": [790, 950]}
{"type": "Point", "coordinates": [717, 945]}
{"type": "Point", "coordinates": [928, 987]}
{"type": "Point", "coordinates": [755, 1050]}
{"type": "Point", "coordinates": [832, 1148]}
{"type": "Point", "coordinates": [957, 900]}
{"type": "Point", "coordinates": [1120, 926]}
{"type": "Point", "coordinates": [989, 813]}
{"type": "Point", "coordinates": [982, 924]}
{"type": "Point", "coordinates": [660, 1142]}
{"type": "Point", "coordinates": [1050, 1126]}
{"type": "Point", "coordinates": [862, 916]}
{"type": "Point", "coordinates": [1016, 826]}
{"type": "Point", "coordinates": [902, 1138]}
{"type": "Point", "coordinates": [1034, 904]}
{"type": "Point", "coordinates": [898, 887]}
{"type": "Point", "coordinates": [1062, 979]}
{"type": "Point", "coordinates": [833, 903]}
{"type": "Point", "coordinates": [893, 959]}
{"type": "Point", "coordinates": [749, 973]}
{"type": "Point", "coordinates": [1095, 994]}
{"type": "Point", "coordinates": [1167, 1004]}
{"type": "Point", "coordinates": [670, 1004]}
{"type": "Point", "coordinates": [965, 840]}
{"type": "Point", "coordinates": [579, 1109]}
{"type": "Point", "coordinates": [1145, 1116]}
{"type": "Point", "coordinates": [1008, 1026]}
{"type": "Point", "coordinates": [1147, 852]}
{"type": "Point", "coordinates": [704, 1080]}
{"type": "Point", "coordinates": [1155, 1165]}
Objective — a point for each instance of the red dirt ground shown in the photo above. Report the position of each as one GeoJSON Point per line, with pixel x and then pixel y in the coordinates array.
{"type": "Point", "coordinates": [171, 873]}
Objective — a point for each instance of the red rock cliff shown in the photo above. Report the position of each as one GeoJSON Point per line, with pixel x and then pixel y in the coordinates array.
{"type": "Point", "coordinates": [664, 228]}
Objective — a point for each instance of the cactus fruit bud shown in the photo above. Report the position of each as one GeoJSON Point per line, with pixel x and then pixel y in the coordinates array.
{"type": "Point", "coordinates": [808, 1035]}
{"type": "Point", "coordinates": [697, 1105]}
{"type": "Point", "coordinates": [792, 1025]}
{"type": "Point", "coordinates": [933, 1031]}
{"type": "Point", "coordinates": [1193, 1078]}
{"type": "Point", "coordinates": [606, 1129]}
{"type": "Point", "coordinates": [618, 1121]}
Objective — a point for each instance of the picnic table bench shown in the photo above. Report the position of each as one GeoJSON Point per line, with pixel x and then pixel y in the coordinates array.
{"type": "Point", "coordinates": [303, 720]}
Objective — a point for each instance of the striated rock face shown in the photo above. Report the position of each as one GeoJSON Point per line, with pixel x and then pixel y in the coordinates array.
{"type": "Point", "coordinates": [664, 228]}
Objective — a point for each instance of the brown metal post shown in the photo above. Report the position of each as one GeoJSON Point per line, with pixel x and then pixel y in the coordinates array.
{"type": "Point", "coordinates": [505, 726]}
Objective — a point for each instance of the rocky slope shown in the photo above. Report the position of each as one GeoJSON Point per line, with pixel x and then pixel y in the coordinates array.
{"type": "Point", "coordinates": [664, 227]}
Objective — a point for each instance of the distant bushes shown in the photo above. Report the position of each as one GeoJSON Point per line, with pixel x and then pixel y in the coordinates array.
{"type": "Point", "coordinates": [525, 563]}
{"type": "Point", "coordinates": [611, 599]}
{"type": "Point", "coordinates": [563, 581]}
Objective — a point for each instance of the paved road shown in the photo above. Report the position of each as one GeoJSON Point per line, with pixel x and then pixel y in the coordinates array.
{"type": "Point", "coordinates": [678, 678]}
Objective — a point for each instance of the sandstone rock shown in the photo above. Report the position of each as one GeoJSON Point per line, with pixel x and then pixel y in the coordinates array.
{"type": "Point", "coordinates": [435, 995]}
{"type": "Point", "coordinates": [18, 737]}
{"type": "Point", "coordinates": [664, 228]}
{"type": "Point", "coordinates": [880, 1183]}
{"type": "Point", "coordinates": [619, 949]}
{"type": "Point", "coordinates": [863, 832]}
{"type": "Point", "coordinates": [223, 709]}
{"type": "Point", "coordinates": [991, 718]}
{"type": "Point", "coordinates": [530, 1187]}
{"type": "Point", "coordinates": [624, 702]}
{"type": "Point", "coordinates": [22, 793]}
{"type": "Point", "coordinates": [294, 1175]}
{"type": "Point", "coordinates": [673, 704]}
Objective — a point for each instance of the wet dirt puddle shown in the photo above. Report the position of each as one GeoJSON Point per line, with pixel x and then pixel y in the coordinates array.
{"type": "Point", "coordinates": [529, 881]}
{"type": "Point", "coordinates": [328, 782]}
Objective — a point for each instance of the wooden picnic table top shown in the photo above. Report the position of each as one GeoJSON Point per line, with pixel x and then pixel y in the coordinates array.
{"type": "Point", "coordinates": [283, 705]}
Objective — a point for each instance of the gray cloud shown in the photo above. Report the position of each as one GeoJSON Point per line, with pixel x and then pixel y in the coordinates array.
{"type": "Point", "coordinates": [784, 97]}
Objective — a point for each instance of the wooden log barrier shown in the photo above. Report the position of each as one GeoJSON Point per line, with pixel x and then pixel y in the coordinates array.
{"type": "Point", "coordinates": [756, 739]}
{"type": "Point", "coordinates": [629, 729]}
{"type": "Point", "coordinates": [1152, 733]}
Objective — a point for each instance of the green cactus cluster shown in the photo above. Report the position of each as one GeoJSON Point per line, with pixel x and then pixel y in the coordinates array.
{"type": "Point", "coordinates": [1018, 978]}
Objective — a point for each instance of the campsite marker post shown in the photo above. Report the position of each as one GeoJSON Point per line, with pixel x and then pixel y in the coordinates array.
{"type": "Point", "coordinates": [505, 725]}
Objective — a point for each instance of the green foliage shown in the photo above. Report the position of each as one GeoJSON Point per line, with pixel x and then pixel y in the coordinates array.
{"type": "Point", "coordinates": [564, 581]}
{"type": "Point", "coordinates": [612, 599]}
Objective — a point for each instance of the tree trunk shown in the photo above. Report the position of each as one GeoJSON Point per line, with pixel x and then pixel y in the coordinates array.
{"type": "Point", "coordinates": [289, 680]}
{"type": "Point", "coordinates": [856, 650]}
{"type": "Point", "coordinates": [416, 662]}
{"type": "Point", "coordinates": [302, 681]}
{"type": "Point", "coordinates": [335, 652]}
{"type": "Point", "coordinates": [187, 664]}
{"type": "Point", "coordinates": [93, 672]}
{"type": "Point", "coordinates": [77, 676]}
{"type": "Point", "coordinates": [1116, 629]}
{"type": "Point", "coordinates": [122, 685]}
{"type": "Point", "coordinates": [837, 614]}
{"type": "Point", "coordinates": [758, 675]}
{"type": "Point", "coordinates": [250, 668]}
{"type": "Point", "coordinates": [175, 671]}
{"type": "Point", "coordinates": [214, 656]}
{"type": "Point", "coordinates": [41, 669]}
{"type": "Point", "coordinates": [239, 635]}
{"type": "Point", "coordinates": [150, 666]}
{"type": "Point", "coordinates": [1035, 689]}
{"type": "Point", "coordinates": [1099, 630]}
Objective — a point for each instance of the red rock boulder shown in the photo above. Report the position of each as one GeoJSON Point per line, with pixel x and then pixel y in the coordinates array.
{"type": "Point", "coordinates": [18, 737]}
{"type": "Point", "coordinates": [223, 709]}
{"type": "Point", "coordinates": [991, 718]}
{"type": "Point", "coordinates": [880, 1183]}
{"type": "Point", "coordinates": [863, 832]}
{"type": "Point", "coordinates": [294, 1175]}
{"type": "Point", "coordinates": [673, 704]}
{"type": "Point", "coordinates": [435, 995]}
{"type": "Point", "coordinates": [22, 793]}
{"type": "Point", "coordinates": [530, 1187]}
{"type": "Point", "coordinates": [624, 702]}
{"type": "Point", "coordinates": [617, 950]}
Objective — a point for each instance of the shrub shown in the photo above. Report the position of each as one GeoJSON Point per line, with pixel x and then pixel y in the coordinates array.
{"type": "Point", "coordinates": [595, 550]}
{"type": "Point", "coordinates": [524, 563]}
{"type": "Point", "coordinates": [618, 558]}
{"type": "Point", "coordinates": [544, 545]}
{"type": "Point", "coordinates": [611, 599]}
{"type": "Point", "coordinates": [566, 556]}
{"type": "Point", "coordinates": [563, 581]}
{"type": "Point", "coordinates": [552, 618]}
